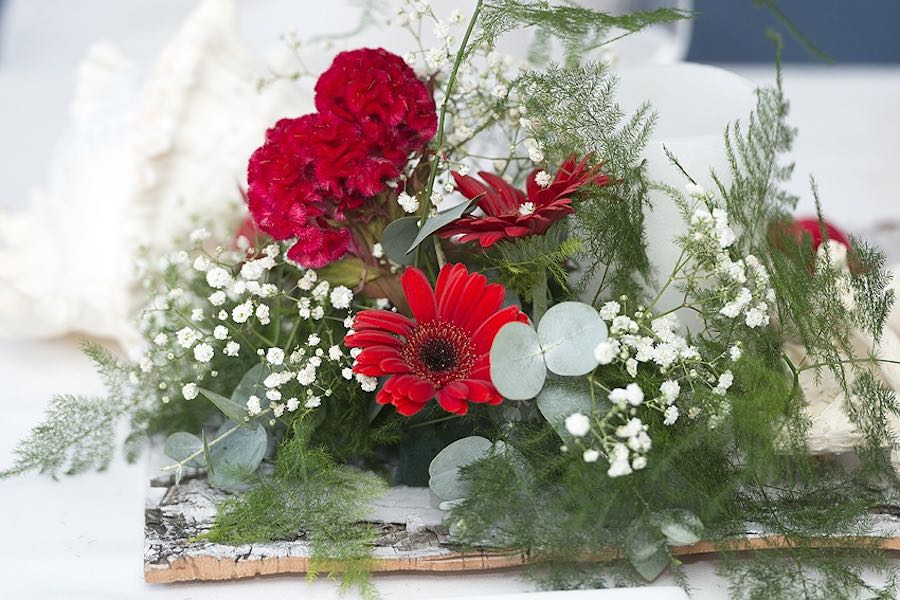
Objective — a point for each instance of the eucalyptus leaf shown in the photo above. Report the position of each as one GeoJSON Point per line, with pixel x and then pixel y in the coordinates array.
{"type": "Point", "coordinates": [231, 409]}
{"type": "Point", "coordinates": [557, 401]}
{"type": "Point", "coordinates": [397, 239]}
{"type": "Point", "coordinates": [650, 567]}
{"type": "Point", "coordinates": [642, 542]}
{"type": "Point", "coordinates": [251, 385]}
{"type": "Point", "coordinates": [237, 456]}
{"type": "Point", "coordinates": [517, 363]}
{"type": "Point", "coordinates": [444, 479]}
{"type": "Point", "coordinates": [681, 527]}
{"type": "Point", "coordinates": [569, 332]}
{"type": "Point", "coordinates": [181, 444]}
{"type": "Point", "coordinates": [442, 219]}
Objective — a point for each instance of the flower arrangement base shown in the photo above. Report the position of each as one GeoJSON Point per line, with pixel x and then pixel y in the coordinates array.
{"type": "Point", "coordinates": [411, 539]}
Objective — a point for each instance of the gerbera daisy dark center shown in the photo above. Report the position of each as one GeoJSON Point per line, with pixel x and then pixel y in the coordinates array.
{"type": "Point", "coordinates": [439, 352]}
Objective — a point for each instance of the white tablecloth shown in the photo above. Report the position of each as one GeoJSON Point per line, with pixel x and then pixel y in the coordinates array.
{"type": "Point", "coordinates": [82, 537]}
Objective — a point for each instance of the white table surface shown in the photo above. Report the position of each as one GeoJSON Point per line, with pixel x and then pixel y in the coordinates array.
{"type": "Point", "coordinates": [82, 537]}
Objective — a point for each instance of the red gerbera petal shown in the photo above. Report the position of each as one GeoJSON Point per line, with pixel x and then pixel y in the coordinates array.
{"type": "Point", "coordinates": [506, 213]}
{"type": "Point", "coordinates": [443, 354]}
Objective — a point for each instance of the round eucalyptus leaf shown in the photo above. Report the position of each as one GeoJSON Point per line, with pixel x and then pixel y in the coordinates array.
{"type": "Point", "coordinates": [681, 527]}
{"type": "Point", "coordinates": [649, 568]}
{"type": "Point", "coordinates": [251, 384]}
{"type": "Point", "coordinates": [557, 401]}
{"type": "Point", "coordinates": [444, 479]}
{"type": "Point", "coordinates": [237, 456]}
{"type": "Point", "coordinates": [517, 363]}
{"type": "Point", "coordinates": [398, 237]}
{"type": "Point", "coordinates": [568, 333]}
{"type": "Point", "coordinates": [181, 444]}
{"type": "Point", "coordinates": [642, 542]}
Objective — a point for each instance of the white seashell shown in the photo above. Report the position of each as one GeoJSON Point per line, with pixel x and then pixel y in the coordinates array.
{"type": "Point", "coordinates": [143, 161]}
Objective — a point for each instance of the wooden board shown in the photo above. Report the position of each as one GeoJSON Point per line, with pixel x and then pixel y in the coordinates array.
{"type": "Point", "coordinates": [411, 539]}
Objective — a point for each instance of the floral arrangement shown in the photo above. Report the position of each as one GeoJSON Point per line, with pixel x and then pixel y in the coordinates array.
{"type": "Point", "coordinates": [500, 337]}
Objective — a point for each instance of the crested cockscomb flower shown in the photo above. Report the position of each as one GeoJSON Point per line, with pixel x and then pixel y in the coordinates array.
{"type": "Point", "coordinates": [314, 169]}
{"type": "Point", "coordinates": [380, 93]}
{"type": "Point", "coordinates": [510, 212]}
{"type": "Point", "coordinates": [443, 351]}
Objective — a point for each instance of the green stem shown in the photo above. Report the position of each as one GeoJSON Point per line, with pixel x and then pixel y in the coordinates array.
{"type": "Point", "coordinates": [442, 114]}
{"type": "Point", "coordinates": [853, 361]}
{"type": "Point", "coordinates": [539, 297]}
{"type": "Point", "coordinates": [433, 421]}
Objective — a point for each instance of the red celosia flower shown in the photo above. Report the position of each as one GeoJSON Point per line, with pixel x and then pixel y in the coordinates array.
{"type": "Point", "coordinates": [313, 169]}
{"type": "Point", "coordinates": [443, 351]}
{"type": "Point", "coordinates": [380, 93]}
{"type": "Point", "coordinates": [510, 213]}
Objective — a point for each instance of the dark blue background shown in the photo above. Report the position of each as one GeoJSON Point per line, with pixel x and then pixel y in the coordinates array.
{"type": "Point", "coordinates": [846, 30]}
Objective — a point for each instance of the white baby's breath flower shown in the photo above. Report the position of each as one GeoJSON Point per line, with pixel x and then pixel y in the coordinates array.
{"type": "Point", "coordinates": [526, 208]}
{"type": "Point", "coordinates": [543, 179]}
{"type": "Point", "coordinates": [220, 332]}
{"type": "Point", "coordinates": [535, 154]}
{"type": "Point", "coordinates": [232, 349]}
{"type": "Point", "coordinates": [145, 364]}
{"type": "Point", "coordinates": [187, 337]}
{"type": "Point", "coordinates": [610, 310]}
{"type": "Point", "coordinates": [242, 312]}
{"type": "Point", "coordinates": [694, 190]}
{"type": "Point", "coordinates": [273, 395]}
{"type": "Point", "coordinates": [161, 339]}
{"type": "Point", "coordinates": [203, 352]}
{"type": "Point", "coordinates": [253, 406]}
{"type": "Point", "coordinates": [313, 402]}
{"type": "Point", "coordinates": [275, 356]}
{"type": "Point", "coordinates": [341, 297]}
{"type": "Point", "coordinates": [308, 280]}
{"type": "Point", "coordinates": [735, 353]}
{"type": "Point", "coordinates": [335, 353]}
{"type": "Point", "coordinates": [671, 415]}
{"type": "Point", "coordinates": [190, 391]}
{"type": "Point", "coordinates": [217, 298]}
{"type": "Point", "coordinates": [201, 263]}
{"type": "Point", "coordinates": [262, 314]}
{"type": "Point", "coordinates": [618, 461]}
{"type": "Point", "coordinates": [669, 391]}
{"type": "Point", "coordinates": [347, 373]}
{"type": "Point", "coordinates": [726, 379]}
{"type": "Point", "coordinates": [218, 278]}
{"type": "Point", "coordinates": [630, 429]}
{"type": "Point", "coordinates": [306, 375]}
{"type": "Point", "coordinates": [197, 314]}
{"type": "Point", "coordinates": [409, 204]}
{"type": "Point", "coordinates": [578, 424]}
{"type": "Point", "coordinates": [377, 250]}
{"type": "Point", "coordinates": [313, 340]}
{"type": "Point", "coordinates": [606, 351]}
{"type": "Point", "coordinates": [199, 235]}
{"type": "Point", "coordinates": [366, 383]}
{"type": "Point", "coordinates": [631, 367]}
{"type": "Point", "coordinates": [639, 463]}
{"type": "Point", "coordinates": [757, 316]}
{"type": "Point", "coordinates": [590, 455]}
{"type": "Point", "coordinates": [293, 404]}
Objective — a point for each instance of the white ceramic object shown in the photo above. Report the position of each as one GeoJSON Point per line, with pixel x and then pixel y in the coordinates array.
{"type": "Point", "coordinates": [694, 103]}
{"type": "Point", "coordinates": [144, 159]}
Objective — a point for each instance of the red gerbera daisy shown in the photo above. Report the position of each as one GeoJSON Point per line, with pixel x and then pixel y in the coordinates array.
{"type": "Point", "coordinates": [510, 213]}
{"type": "Point", "coordinates": [443, 352]}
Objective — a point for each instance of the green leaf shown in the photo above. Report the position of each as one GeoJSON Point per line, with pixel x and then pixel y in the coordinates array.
{"type": "Point", "coordinates": [444, 478]}
{"type": "Point", "coordinates": [556, 402]}
{"type": "Point", "coordinates": [569, 332]}
{"type": "Point", "coordinates": [650, 567]}
{"type": "Point", "coordinates": [643, 541]}
{"type": "Point", "coordinates": [231, 409]}
{"type": "Point", "coordinates": [398, 238]}
{"type": "Point", "coordinates": [237, 456]}
{"type": "Point", "coordinates": [181, 444]}
{"type": "Point", "coordinates": [517, 362]}
{"type": "Point", "coordinates": [251, 385]}
{"type": "Point", "coordinates": [442, 219]}
{"type": "Point", "coordinates": [681, 527]}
